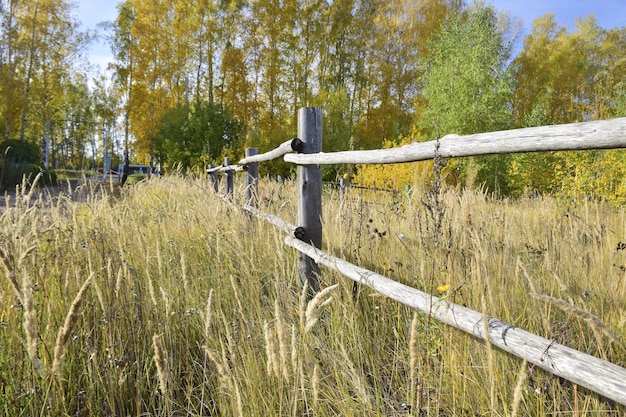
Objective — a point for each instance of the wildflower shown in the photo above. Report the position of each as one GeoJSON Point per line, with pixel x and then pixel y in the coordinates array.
{"type": "Point", "coordinates": [443, 288]}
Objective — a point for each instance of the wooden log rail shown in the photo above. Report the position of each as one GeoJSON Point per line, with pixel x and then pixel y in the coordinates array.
{"type": "Point", "coordinates": [284, 225]}
{"type": "Point", "coordinates": [226, 168]}
{"type": "Point", "coordinates": [602, 377]}
{"type": "Point", "coordinates": [250, 165]}
{"type": "Point", "coordinates": [229, 170]}
{"type": "Point", "coordinates": [293, 145]}
{"type": "Point", "coordinates": [603, 134]}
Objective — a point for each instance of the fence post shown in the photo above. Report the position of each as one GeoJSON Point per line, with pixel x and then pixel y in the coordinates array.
{"type": "Point", "coordinates": [252, 179]}
{"type": "Point", "coordinates": [215, 179]}
{"type": "Point", "coordinates": [230, 182]}
{"type": "Point", "coordinates": [309, 190]}
{"type": "Point", "coordinates": [343, 184]}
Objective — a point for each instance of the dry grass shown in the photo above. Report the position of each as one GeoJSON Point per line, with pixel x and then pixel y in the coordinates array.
{"type": "Point", "coordinates": [193, 308]}
{"type": "Point", "coordinates": [69, 324]}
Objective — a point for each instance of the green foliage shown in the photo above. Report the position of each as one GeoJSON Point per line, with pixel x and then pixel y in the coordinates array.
{"type": "Point", "coordinates": [468, 87]}
{"type": "Point", "coordinates": [467, 83]}
{"type": "Point", "coordinates": [20, 151]}
{"type": "Point", "coordinates": [21, 160]}
{"type": "Point", "coordinates": [193, 136]}
{"type": "Point", "coordinates": [493, 174]}
{"type": "Point", "coordinates": [533, 172]}
{"type": "Point", "coordinates": [13, 174]}
{"type": "Point", "coordinates": [135, 178]}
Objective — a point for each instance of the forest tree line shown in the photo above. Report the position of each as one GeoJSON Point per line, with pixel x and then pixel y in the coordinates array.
{"type": "Point", "coordinates": [195, 80]}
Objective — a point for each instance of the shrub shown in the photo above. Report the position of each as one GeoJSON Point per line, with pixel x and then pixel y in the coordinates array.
{"type": "Point", "coordinates": [19, 151]}
{"type": "Point", "coordinates": [21, 160]}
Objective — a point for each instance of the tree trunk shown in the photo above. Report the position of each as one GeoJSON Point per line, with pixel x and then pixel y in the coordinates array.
{"type": "Point", "coordinates": [31, 62]}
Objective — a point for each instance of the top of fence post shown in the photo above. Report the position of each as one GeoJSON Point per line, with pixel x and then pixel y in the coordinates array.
{"type": "Point", "coordinates": [309, 189]}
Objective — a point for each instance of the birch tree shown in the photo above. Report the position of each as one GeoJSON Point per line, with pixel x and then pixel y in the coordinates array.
{"type": "Point", "coordinates": [40, 42]}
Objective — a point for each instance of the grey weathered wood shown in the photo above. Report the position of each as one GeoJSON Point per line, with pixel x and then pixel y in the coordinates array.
{"type": "Point", "coordinates": [234, 168]}
{"type": "Point", "coordinates": [343, 184]}
{"type": "Point", "coordinates": [230, 181]}
{"type": "Point", "coordinates": [215, 179]}
{"type": "Point", "coordinates": [252, 178]}
{"type": "Point", "coordinates": [309, 191]}
{"type": "Point", "coordinates": [602, 377]}
{"type": "Point", "coordinates": [275, 220]}
{"type": "Point", "coordinates": [292, 145]}
{"type": "Point", "coordinates": [603, 134]}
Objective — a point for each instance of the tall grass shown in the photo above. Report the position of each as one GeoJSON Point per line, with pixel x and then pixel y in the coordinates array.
{"type": "Point", "coordinates": [161, 299]}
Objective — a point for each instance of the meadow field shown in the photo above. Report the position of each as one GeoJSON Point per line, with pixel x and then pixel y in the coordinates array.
{"type": "Point", "coordinates": [161, 299]}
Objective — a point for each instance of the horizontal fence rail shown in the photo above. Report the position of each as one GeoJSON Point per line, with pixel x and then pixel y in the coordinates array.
{"type": "Point", "coordinates": [284, 225]}
{"type": "Point", "coordinates": [603, 134]}
{"type": "Point", "coordinates": [226, 168]}
{"type": "Point", "coordinates": [293, 145]}
{"type": "Point", "coordinates": [602, 377]}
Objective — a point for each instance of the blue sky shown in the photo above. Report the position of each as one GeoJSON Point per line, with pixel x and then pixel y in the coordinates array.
{"type": "Point", "coordinates": [90, 13]}
{"type": "Point", "coordinates": [609, 14]}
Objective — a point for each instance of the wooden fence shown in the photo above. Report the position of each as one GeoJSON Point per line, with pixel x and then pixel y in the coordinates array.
{"type": "Point", "coordinates": [602, 377]}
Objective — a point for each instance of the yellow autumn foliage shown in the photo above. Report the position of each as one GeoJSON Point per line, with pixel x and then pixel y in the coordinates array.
{"type": "Point", "coordinates": [394, 176]}
{"type": "Point", "coordinates": [594, 174]}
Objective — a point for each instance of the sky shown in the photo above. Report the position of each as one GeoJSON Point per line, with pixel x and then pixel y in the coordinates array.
{"type": "Point", "coordinates": [609, 14]}
{"type": "Point", "coordinates": [89, 14]}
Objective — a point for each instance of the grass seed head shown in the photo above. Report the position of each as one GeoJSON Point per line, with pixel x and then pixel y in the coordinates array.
{"type": "Point", "coordinates": [594, 322]}
{"type": "Point", "coordinates": [316, 306]}
{"type": "Point", "coordinates": [71, 319]}
{"type": "Point", "coordinates": [161, 361]}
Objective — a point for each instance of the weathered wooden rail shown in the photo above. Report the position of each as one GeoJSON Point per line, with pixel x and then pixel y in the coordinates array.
{"type": "Point", "coordinates": [603, 134]}
{"type": "Point", "coordinates": [293, 145]}
{"type": "Point", "coordinates": [602, 377]}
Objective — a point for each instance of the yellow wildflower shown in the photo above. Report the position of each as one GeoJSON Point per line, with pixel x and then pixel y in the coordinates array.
{"type": "Point", "coordinates": [443, 288]}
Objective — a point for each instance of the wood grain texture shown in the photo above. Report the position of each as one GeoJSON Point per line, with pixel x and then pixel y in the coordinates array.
{"type": "Point", "coordinates": [602, 377]}
{"type": "Point", "coordinates": [603, 134]}
{"type": "Point", "coordinates": [309, 191]}
{"type": "Point", "coordinates": [292, 145]}
{"type": "Point", "coordinates": [252, 178]}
